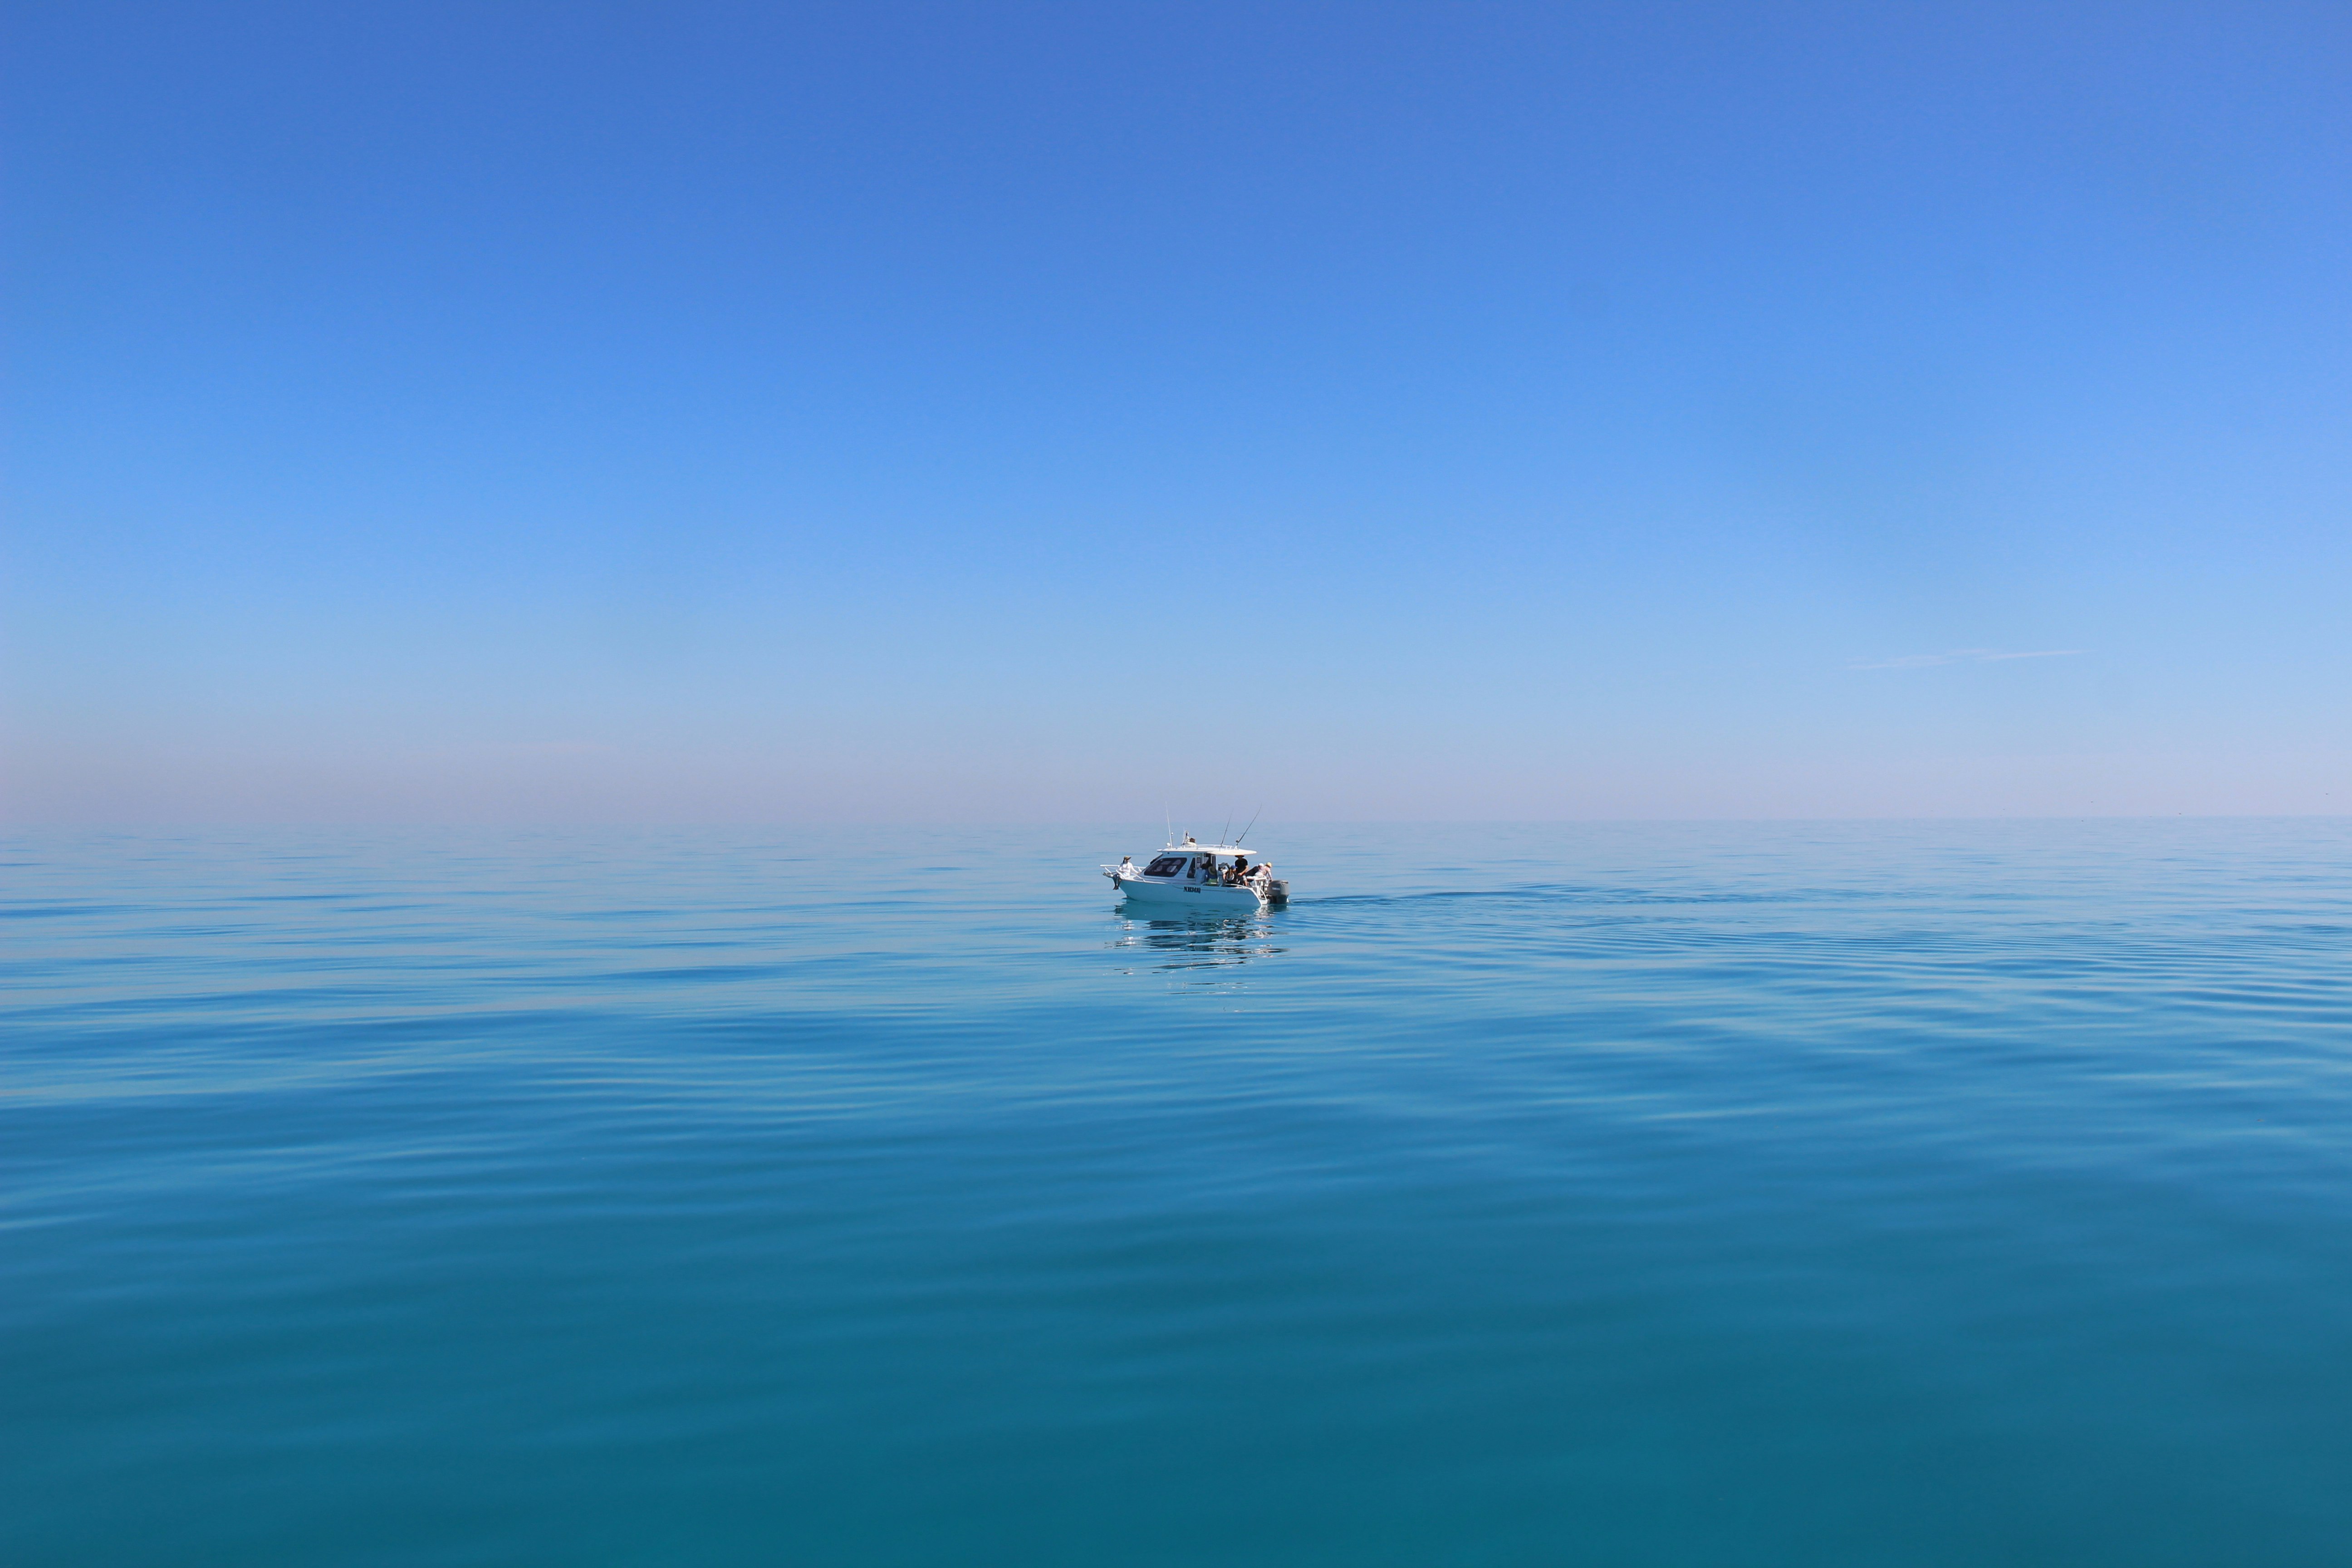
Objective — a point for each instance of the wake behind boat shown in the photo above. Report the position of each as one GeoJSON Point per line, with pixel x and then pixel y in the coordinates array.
{"type": "Point", "coordinates": [1200, 877]}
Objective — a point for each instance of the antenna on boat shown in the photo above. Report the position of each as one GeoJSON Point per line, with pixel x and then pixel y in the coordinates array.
{"type": "Point", "coordinates": [1228, 827]}
{"type": "Point", "coordinates": [1170, 814]}
{"type": "Point", "coordinates": [1253, 816]}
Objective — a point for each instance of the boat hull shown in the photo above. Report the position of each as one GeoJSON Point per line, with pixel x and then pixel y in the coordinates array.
{"type": "Point", "coordinates": [1189, 895]}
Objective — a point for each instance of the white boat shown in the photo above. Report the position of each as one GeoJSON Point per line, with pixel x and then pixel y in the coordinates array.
{"type": "Point", "coordinates": [1200, 877]}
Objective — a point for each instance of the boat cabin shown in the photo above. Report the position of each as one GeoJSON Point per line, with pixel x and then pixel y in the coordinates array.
{"type": "Point", "coordinates": [1197, 863]}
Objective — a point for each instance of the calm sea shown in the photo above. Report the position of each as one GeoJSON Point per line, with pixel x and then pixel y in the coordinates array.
{"type": "Point", "coordinates": [1726, 1195]}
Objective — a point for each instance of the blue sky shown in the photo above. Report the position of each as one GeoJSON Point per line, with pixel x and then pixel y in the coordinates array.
{"type": "Point", "coordinates": [525, 413]}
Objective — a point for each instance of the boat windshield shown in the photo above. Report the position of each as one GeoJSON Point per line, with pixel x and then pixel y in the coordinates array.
{"type": "Point", "coordinates": [1166, 866]}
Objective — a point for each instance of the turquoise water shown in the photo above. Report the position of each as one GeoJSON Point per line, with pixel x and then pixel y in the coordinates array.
{"type": "Point", "coordinates": [1922, 1194]}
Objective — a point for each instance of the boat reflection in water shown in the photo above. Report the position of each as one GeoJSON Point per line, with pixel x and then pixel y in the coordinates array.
{"type": "Point", "coordinates": [1202, 942]}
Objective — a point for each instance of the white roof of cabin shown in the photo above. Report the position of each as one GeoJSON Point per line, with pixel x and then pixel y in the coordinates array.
{"type": "Point", "coordinates": [1204, 850]}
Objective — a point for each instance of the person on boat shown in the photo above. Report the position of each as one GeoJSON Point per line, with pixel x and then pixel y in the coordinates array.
{"type": "Point", "coordinates": [1241, 870]}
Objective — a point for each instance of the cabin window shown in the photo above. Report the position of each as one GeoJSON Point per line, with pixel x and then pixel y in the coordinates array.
{"type": "Point", "coordinates": [1166, 866]}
